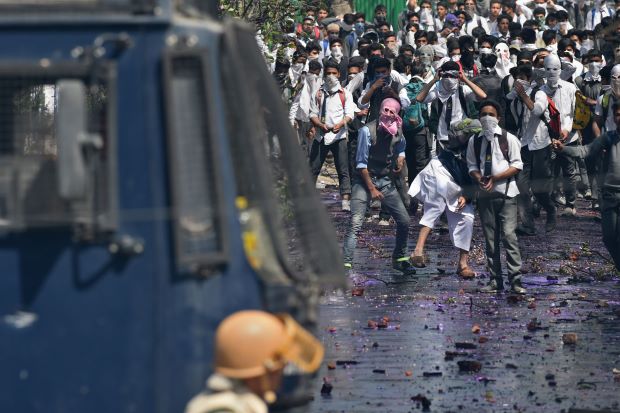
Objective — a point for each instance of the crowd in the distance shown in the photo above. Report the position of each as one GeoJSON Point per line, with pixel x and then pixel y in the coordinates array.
{"type": "Point", "coordinates": [462, 106]}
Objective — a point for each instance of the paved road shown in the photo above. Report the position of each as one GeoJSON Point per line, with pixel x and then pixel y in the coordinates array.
{"type": "Point", "coordinates": [435, 320]}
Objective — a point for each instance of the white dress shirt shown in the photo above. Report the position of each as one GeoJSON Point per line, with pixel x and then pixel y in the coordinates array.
{"type": "Point", "coordinates": [610, 124]}
{"type": "Point", "coordinates": [564, 99]}
{"type": "Point", "coordinates": [535, 134]}
{"type": "Point", "coordinates": [334, 114]}
{"type": "Point", "coordinates": [499, 164]}
{"type": "Point", "coordinates": [458, 113]}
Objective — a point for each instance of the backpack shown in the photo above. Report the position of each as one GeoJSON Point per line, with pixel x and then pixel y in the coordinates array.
{"type": "Point", "coordinates": [317, 32]}
{"type": "Point", "coordinates": [605, 104]}
{"type": "Point", "coordinates": [582, 112]}
{"type": "Point", "coordinates": [554, 124]}
{"type": "Point", "coordinates": [437, 109]}
{"type": "Point", "coordinates": [413, 115]}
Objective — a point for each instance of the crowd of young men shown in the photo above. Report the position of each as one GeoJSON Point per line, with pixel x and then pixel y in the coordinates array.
{"type": "Point", "coordinates": [484, 103]}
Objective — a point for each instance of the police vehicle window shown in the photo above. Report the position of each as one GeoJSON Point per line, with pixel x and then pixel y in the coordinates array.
{"type": "Point", "coordinates": [29, 189]}
{"type": "Point", "coordinates": [27, 6]}
{"type": "Point", "coordinates": [195, 204]}
{"type": "Point", "coordinates": [270, 168]}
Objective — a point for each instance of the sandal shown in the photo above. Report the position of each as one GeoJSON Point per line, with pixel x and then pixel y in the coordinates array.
{"type": "Point", "coordinates": [466, 273]}
{"type": "Point", "coordinates": [418, 261]}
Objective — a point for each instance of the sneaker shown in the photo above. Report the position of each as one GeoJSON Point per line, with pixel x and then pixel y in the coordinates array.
{"type": "Point", "coordinates": [384, 222]}
{"type": "Point", "coordinates": [517, 288]}
{"type": "Point", "coordinates": [525, 231]}
{"type": "Point", "coordinates": [492, 287]}
{"type": "Point", "coordinates": [595, 205]}
{"type": "Point", "coordinates": [403, 266]}
{"type": "Point", "coordinates": [588, 194]}
{"type": "Point", "coordinates": [569, 212]}
{"type": "Point", "coordinates": [346, 205]}
{"type": "Point", "coordinates": [559, 199]}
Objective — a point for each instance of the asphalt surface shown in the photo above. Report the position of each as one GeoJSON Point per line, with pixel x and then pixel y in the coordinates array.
{"type": "Point", "coordinates": [431, 342]}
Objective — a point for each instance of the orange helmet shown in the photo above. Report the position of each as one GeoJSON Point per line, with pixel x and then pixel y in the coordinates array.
{"type": "Point", "coordinates": [253, 343]}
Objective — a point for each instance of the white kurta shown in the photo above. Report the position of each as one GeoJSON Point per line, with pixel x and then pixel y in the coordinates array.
{"type": "Point", "coordinates": [435, 187]}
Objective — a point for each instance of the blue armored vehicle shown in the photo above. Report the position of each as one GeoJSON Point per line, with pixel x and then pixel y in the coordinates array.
{"type": "Point", "coordinates": [150, 185]}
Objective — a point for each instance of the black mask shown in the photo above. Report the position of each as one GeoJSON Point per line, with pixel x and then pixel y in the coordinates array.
{"type": "Point", "coordinates": [380, 19]}
{"type": "Point", "coordinates": [467, 60]}
{"type": "Point", "coordinates": [488, 60]}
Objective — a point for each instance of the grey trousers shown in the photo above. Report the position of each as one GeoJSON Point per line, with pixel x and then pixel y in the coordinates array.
{"type": "Point", "coordinates": [499, 215]}
{"type": "Point", "coordinates": [610, 220]}
{"type": "Point", "coordinates": [537, 176]}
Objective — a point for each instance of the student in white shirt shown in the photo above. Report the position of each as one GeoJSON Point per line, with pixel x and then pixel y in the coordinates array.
{"type": "Point", "coordinates": [299, 113]}
{"type": "Point", "coordinates": [448, 98]}
{"type": "Point", "coordinates": [330, 112]}
{"type": "Point", "coordinates": [494, 170]}
{"type": "Point", "coordinates": [527, 108]}
{"type": "Point", "coordinates": [598, 13]}
{"type": "Point", "coordinates": [563, 95]}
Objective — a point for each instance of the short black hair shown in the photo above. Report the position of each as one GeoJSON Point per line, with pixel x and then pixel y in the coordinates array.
{"type": "Point", "coordinates": [452, 44]}
{"type": "Point", "coordinates": [380, 8]}
{"type": "Point", "coordinates": [421, 33]}
{"type": "Point", "coordinates": [450, 65]}
{"type": "Point", "coordinates": [478, 32]}
{"type": "Point", "coordinates": [336, 40]}
{"type": "Point", "coordinates": [378, 61]}
{"type": "Point", "coordinates": [374, 47]}
{"type": "Point", "coordinates": [431, 37]}
{"type": "Point", "coordinates": [491, 102]}
{"type": "Point", "coordinates": [522, 70]}
{"type": "Point", "coordinates": [314, 66]}
{"type": "Point", "coordinates": [443, 4]}
{"type": "Point", "coordinates": [548, 35]}
{"type": "Point", "coordinates": [492, 40]}
{"type": "Point", "coordinates": [564, 43]}
{"type": "Point", "coordinates": [406, 48]}
{"type": "Point", "coordinates": [357, 61]}
{"type": "Point", "coordinates": [539, 10]}
{"type": "Point", "coordinates": [528, 35]}
{"type": "Point", "coordinates": [313, 45]}
{"type": "Point", "coordinates": [503, 17]}
{"type": "Point", "coordinates": [511, 4]}
{"type": "Point", "coordinates": [331, 65]}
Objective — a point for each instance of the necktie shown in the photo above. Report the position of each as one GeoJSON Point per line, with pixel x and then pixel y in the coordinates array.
{"type": "Point", "coordinates": [448, 117]}
{"type": "Point", "coordinates": [488, 161]}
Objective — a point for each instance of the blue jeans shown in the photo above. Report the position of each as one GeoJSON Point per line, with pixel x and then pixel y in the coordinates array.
{"type": "Point", "coordinates": [391, 202]}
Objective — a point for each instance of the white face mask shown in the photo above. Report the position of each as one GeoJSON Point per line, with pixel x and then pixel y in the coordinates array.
{"type": "Point", "coordinates": [553, 70]}
{"type": "Point", "coordinates": [595, 68]}
{"type": "Point", "coordinates": [587, 45]}
{"type": "Point", "coordinates": [332, 83]}
{"type": "Point", "coordinates": [486, 50]}
{"type": "Point", "coordinates": [450, 84]}
{"type": "Point", "coordinates": [455, 58]}
{"type": "Point", "coordinates": [410, 39]}
{"type": "Point", "coordinates": [489, 123]}
{"type": "Point", "coordinates": [298, 67]}
{"type": "Point", "coordinates": [337, 53]}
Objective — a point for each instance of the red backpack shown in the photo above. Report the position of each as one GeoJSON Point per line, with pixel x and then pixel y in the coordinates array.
{"type": "Point", "coordinates": [554, 124]}
{"type": "Point", "coordinates": [317, 32]}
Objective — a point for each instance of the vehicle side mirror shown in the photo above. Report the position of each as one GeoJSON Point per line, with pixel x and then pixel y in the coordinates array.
{"type": "Point", "coordinates": [72, 136]}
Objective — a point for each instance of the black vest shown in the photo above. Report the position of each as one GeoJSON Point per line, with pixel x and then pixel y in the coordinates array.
{"type": "Point", "coordinates": [381, 156]}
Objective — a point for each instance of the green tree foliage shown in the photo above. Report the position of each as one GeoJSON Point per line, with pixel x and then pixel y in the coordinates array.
{"type": "Point", "coordinates": [272, 17]}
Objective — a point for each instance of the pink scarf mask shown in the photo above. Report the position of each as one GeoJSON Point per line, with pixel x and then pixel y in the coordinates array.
{"type": "Point", "coordinates": [390, 122]}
